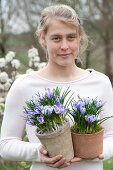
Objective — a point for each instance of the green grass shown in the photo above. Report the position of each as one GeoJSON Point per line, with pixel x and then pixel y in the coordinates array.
{"type": "Point", "coordinates": [108, 164]}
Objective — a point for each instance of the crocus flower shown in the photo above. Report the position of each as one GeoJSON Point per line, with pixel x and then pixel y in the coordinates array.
{"type": "Point", "coordinates": [58, 108]}
{"type": "Point", "coordinates": [38, 109]}
{"type": "Point", "coordinates": [80, 104]}
{"type": "Point", "coordinates": [40, 119]}
{"type": "Point", "coordinates": [42, 98]}
{"type": "Point", "coordinates": [30, 112]}
{"type": "Point", "coordinates": [35, 101]}
{"type": "Point", "coordinates": [98, 103]}
{"type": "Point", "coordinates": [47, 110]}
{"type": "Point", "coordinates": [90, 118]}
{"type": "Point", "coordinates": [30, 122]}
{"type": "Point", "coordinates": [49, 93]}
{"type": "Point", "coordinates": [82, 110]}
{"type": "Point", "coordinates": [86, 100]}
{"type": "Point", "coordinates": [75, 107]}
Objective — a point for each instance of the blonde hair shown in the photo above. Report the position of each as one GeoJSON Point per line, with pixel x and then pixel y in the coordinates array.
{"type": "Point", "coordinates": [63, 13]}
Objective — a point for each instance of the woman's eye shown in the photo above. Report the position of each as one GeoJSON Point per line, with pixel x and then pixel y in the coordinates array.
{"type": "Point", "coordinates": [71, 37]}
{"type": "Point", "coordinates": [56, 38]}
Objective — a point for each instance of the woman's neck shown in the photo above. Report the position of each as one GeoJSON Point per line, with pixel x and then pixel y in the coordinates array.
{"type": "Point", "coordinates": [62, 74]}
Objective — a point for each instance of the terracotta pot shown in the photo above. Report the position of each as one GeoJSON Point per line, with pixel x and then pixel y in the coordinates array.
{"type": "Point", "coordinates": [58, 142]}
{"type": "Point", "coordinates": [88, 146]}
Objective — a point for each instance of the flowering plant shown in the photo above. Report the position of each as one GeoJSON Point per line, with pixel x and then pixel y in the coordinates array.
{"type": "Point", "coordinates": [47, 111]}
{"type": "Point", "coordinates": [85, 112]}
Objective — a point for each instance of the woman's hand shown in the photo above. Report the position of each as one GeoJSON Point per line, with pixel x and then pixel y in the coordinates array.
{"type": "Point", "coordinates": [76, 159]}
{"type": "Point", "coordinates": [101, 157]}
{"type": "Point", "coordinates": [54, 162]}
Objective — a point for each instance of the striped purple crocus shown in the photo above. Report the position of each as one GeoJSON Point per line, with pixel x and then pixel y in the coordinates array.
{"type": "Point", "coordinates": [59, 109]}
{"type": "Point", "coordinates": [40, 118]}
{"type": "Point", "coordinates": [49, 93]}
{"type": "Point", "coordinates": [98, 103]}
{"type": "Point", "coordinates": [90, 119]}
{"type": "Point", "coordinates": [30, 122]}
{"type": "Point", "coordinates": [47, 110]}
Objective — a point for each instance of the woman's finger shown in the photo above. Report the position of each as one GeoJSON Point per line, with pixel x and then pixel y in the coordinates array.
{"type": "Point", "coordinates": [42, 150]}
{"type": "Point", "coordinates": [65, 165]}
{"type": "Point", "coordinates": [59, 164]}
{"type": "Point", "coordinates": [52, 160]}
{"type": "Point", "coordinates": [76, 159]}
{"type": "Point", "coordinates": [101, 157]}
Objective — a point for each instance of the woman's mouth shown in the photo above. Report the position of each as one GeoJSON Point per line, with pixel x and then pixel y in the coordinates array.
{"type": "Point", "coordinates": [65, 55]}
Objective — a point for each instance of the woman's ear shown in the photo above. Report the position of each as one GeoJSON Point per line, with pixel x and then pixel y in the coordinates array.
{"type": "Point", "coordinates": [42, 37]}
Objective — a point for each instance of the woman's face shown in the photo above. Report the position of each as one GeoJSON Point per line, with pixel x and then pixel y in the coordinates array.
{"type": "Point", "coordinates": [62, 43]}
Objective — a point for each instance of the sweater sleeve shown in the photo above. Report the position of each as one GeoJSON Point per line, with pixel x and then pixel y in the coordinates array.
{"type": "Point", "coordinates": [11, 145]}
{"type": "Point", "coordinates": [108, 124]}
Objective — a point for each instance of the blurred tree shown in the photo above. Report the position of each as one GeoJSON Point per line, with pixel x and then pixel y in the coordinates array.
{"type": "Point", "coordinates": [17, 17]}
{"type": "Point", "coordinates": [100, 18]}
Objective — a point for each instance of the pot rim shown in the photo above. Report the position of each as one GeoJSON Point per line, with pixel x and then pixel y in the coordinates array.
{"type": "Point", "coordinates": [79, 134]}
{"type": "Point", "coordinates": [55, 133]}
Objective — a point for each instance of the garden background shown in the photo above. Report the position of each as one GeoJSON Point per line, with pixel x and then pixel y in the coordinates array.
{"type": "Point", "coordinates": [20, 51]}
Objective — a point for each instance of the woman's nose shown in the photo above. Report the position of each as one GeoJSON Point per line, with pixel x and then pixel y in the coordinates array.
{"type": "Point", "coordinates": [64, 45]}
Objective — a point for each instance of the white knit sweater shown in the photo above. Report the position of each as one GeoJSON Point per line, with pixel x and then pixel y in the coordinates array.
{"type": "Point", "coordinates": [11, 145]}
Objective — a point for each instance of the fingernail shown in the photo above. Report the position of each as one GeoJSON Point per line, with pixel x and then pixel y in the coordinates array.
{"type": "Point", "coordinates": [68, 164]}
{"type": "Point", "coordinates": [64, 159]}
{"type": "Point", "coordinates": [44, 152]}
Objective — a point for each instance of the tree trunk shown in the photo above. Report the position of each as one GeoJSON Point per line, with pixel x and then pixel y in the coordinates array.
{"type": "Point", "coordinates": [107, 58]}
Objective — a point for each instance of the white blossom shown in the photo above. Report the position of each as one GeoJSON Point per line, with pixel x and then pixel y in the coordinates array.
{"type": "Point", "coordinates": [10, 81]}
{"type": "Point", "coordinates": [2, 62]}
{"type": "Point", "coordinates": [2, 100]}
{"type": "Point", "coordinates": [3, 77]}
{"type": "Point", "coordinates": [13, 73]}
{"type": "Point", "coordinates": [32, 53]}
{"type": "Point", "coordinates": [1, 86]}
{"type": "Point", "coordinates": [7, 85]}
{"type": "Point", "coordinates": [10, 56]}
{"type": "Point", "coordinates": [42, 65]}
{"type": "Point", "coordinates": [30, 63]}
{"type": "Point", "coordinates": [15, 63]}
{"type": "Point", "coordinates": [29, 70]}
{"type": "Point", "coordinates": [36, 59]}
{"type": "Point", "coordinates": [36, 64]}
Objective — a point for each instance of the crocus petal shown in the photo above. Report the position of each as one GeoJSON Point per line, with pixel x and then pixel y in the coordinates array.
{"type": "Point", "coordinates": [65, 110]}
{"type": "Point", "coordinates": [58, 104]}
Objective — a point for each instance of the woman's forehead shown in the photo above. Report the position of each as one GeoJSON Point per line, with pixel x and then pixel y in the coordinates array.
{"type": "Point", "coordinates": [58, 27]}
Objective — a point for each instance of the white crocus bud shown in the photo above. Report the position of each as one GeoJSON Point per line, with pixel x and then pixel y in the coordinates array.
{"type": "Point", "coordinates": [10, 56]}
{"type": "Point", "coordinates": [2, 62]}
{"type": "Point", "coordinates": [15, 63]}
{"type": "Point", "coordinates": [3, 77]}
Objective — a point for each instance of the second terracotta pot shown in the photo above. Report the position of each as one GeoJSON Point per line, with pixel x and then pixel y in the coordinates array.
{"type": "Point", "coordinates": [88, 146]}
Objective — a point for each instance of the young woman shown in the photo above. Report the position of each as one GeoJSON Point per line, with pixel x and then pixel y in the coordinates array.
{"type": "Point", "coordinates": [63, 37]}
